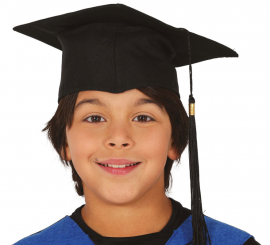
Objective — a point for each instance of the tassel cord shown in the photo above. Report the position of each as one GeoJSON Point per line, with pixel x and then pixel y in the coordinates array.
{"type": "Point", "coordinates": [200, 231]}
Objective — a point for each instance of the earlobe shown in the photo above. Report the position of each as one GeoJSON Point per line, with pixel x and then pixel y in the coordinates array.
{"type": "Point", "coordinates": [172, 154]}
{"type": "Point", "coordinates": [68, 157]}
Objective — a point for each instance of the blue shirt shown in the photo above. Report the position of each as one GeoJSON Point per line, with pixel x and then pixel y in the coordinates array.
{"type": "Point", "coordinates": [178, 231]}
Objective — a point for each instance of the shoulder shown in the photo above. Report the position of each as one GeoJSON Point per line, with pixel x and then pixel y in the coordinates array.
{"type": "Point", "coordinates": [219, 232]}
{"type": "Point", "coordinates": [60, 232]}
{"type": "Point", "coordinates": [222, 232]}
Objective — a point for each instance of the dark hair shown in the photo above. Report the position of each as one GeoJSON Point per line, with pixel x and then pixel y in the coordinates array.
{"type": "Point", "coordinates": [164, 97]}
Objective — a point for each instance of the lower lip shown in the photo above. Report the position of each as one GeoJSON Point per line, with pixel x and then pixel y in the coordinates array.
{"type": "Point", "coordinates": [119, 171]}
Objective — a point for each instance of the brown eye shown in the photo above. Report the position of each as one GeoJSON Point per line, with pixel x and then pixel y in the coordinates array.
{"type": "Point", "coordinates": [144, 117]}
{"type": "Point", "coordinates": [96, 119]}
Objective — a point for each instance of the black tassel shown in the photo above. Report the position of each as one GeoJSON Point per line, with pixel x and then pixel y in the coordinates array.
{"type": "Point", "coordinates": [200, 231]}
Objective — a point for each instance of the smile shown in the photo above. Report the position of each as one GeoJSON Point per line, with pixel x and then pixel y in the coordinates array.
{"type": "Point", "coordinates": [118, 169]}
{"type": "Point", "coordinates": [118, 166]}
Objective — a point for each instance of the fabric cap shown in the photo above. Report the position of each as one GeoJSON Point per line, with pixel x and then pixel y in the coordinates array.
{"type": "Point", "coordinates": [115, 48]}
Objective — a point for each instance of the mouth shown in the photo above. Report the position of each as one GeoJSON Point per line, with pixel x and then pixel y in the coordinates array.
{"type": "Point", "coordinates": [118, 166]}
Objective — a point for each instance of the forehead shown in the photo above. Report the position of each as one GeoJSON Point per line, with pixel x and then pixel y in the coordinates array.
{"type": "Point", "coordinates": [129, 98]}
{"type": "Point", "coordinates": [132, 93]}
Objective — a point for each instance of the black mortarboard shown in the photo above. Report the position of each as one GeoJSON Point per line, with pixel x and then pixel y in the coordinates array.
{"type": "Point", "coordinates": [115, 48]}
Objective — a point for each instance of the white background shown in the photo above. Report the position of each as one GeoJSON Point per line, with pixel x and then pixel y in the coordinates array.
{"type": "Point", "coordinates": [232, 115]}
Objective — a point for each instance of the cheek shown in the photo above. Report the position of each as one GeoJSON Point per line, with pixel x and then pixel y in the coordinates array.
{"type": "Point", "coordinates": [153, 147]}
{"type": "Point", "coordinates": [154, 144]}
{"type": "Point", "coordinates": [82, 144]}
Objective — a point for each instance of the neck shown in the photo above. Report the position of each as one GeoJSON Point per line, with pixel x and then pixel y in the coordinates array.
{"type": "Point", "coordinates": [145, 215]}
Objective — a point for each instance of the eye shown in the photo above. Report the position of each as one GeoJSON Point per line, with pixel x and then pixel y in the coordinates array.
{"type": "Point", "coordinates": [145, 116]}
{"type": "Point", "coordinates": [96, 118]}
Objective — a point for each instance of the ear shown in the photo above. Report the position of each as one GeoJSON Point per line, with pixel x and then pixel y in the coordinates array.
{"type": "Point", "coordinates": [68, 158]}
{"type": "Point", "coordinates": [172, 153]}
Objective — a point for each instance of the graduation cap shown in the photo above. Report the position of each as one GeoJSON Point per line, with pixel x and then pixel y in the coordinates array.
{"type": "Point", "coordinates": [115, 48]}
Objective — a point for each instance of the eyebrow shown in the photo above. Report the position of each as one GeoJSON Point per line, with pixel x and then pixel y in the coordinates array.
{"type": "Point", "coordinates": [139, 102]}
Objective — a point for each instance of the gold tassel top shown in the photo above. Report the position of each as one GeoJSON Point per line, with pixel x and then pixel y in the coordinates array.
{"type": "Point", "coordinates": [192, 109]}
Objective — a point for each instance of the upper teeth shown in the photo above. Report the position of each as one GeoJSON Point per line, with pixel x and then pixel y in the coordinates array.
{"type": "Point", "coordinates": [117, 166]}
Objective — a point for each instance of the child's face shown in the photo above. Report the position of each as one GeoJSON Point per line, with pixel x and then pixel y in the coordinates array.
{"type": "Point", "coordinates": [119, 133]}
